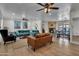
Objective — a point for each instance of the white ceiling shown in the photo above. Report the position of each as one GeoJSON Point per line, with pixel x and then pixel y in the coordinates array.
{"type": "Point", "coordinates": [29, 10]}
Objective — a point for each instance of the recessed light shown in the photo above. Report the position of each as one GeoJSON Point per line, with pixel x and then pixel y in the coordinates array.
{"type": "Point", "coordinates": [23, 16]}
{"type": "Point", "coordinates": [13, 13]}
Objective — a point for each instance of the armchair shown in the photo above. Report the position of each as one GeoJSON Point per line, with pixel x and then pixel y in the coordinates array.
{"type": "Point", "coordinates": [6, 37]}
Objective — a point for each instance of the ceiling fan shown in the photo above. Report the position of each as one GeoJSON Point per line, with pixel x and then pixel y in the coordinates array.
{"type": "Point", "coordinates": [47, 7]}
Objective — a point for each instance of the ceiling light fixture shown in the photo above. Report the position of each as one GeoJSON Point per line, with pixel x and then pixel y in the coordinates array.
{"type": "Point", "coordinates": [13, 14]}
{"type": "Point", "coordinates": [49, 10]}
{"type": "Point", "coordinates": [23, 16]}
{"type": "Point", "coordinates": [45, 10]}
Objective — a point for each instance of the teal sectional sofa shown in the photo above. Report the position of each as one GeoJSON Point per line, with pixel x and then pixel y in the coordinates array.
{"type": "Point", "coordinates": [22, 33]}
{"type": "Point", "coordinates": [34, 32]}
{"type": "Point", "coordinates": [25, 33]}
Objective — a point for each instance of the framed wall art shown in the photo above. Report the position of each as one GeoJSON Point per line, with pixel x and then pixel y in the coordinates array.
{"type": "Point", "coordinates": [25, 25]}
{"type": "Point", "coordinates": [17, 24]}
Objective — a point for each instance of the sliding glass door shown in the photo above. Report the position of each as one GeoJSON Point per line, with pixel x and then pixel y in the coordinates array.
{"type": "Point", "coordinates": [64, 30]}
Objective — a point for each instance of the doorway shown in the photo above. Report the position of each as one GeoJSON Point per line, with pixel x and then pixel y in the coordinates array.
{"type": "Point", "coordinates": [63, 31]}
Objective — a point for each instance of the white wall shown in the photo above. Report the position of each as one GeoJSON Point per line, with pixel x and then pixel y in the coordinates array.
{"type": "Point", "coordinates": [75, 27]}
{"type": "Point", "coordinates": [31, 25]}
{"type": "Point", "coordinates": [74, 14]}
{"type": "Point", "coordinates": [74, 10]}
{"type": "Point", "coordinates": [1, 25]}
{"type": "Point", "coordinates": [45, 26]}
{"type": "Point", "coordinates": [10, 25]}
{"type": "Point", "coordinates": [39, 25]}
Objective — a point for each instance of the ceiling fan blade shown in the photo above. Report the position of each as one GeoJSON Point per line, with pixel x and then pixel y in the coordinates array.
{"type": "Point", "coordinates": [40, 9]}
{"type": "Point", "coordinates": [41, 4]}
{"type": "Point", "coordinates": [54, 8]}
{"type": "Point", "coordinates": [51, 3]}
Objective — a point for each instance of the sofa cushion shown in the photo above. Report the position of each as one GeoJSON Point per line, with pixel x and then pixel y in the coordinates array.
{"type": "Point", "coordinates": [22, 32]}
{"type": "Point", "coordinates": [42, 35]}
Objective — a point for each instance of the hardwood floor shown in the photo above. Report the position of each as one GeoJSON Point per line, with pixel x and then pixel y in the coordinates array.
{"type": "Point", "coordinates": [60, 47]}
